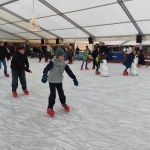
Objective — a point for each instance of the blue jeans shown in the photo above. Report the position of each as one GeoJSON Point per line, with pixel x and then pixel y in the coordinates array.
{"type": "Point", "coordinates": [77, 56]}
{"type": "Point", "coordinates": [65, 56]}
{"type": "Point", "coordinates": [126, 69]}
{"type": "Point", "coordinates": [83, 63]}
{"type": "Point", "coordinates": [4, 64]}
{"type": "Point", "coordinates": [34, 54]}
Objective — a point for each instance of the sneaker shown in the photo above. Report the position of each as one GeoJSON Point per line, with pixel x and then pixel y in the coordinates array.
{"type": "Point", "coordinates": [69, 63]}
{"type": "Point", "coordinates": [26, 92]}
{"type": "Point", "coordinates": [87, 68]}
{"type": "Point", "coordinates": [81, 68]}
{"type": "Point", "coordinates": [46, 60]}
{"type": "Point", "coordinates": [14, 94]}
{"type": "Point", "coordinates": [6, 74]}
{"type": "Point", "coordinates": [66, 107]}
{"type": "Point", "coordinates": [50, 112]}
{"type": "Point", "coordinates": [93, 68]}
{"type": "Point", "coordinates": [125, 73]}
{"type": "Point", "coordinates": [97, 73]}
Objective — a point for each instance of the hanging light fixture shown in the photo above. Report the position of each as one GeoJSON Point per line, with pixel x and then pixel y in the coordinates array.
{"type": "Point", "coordinates": [33, 24]}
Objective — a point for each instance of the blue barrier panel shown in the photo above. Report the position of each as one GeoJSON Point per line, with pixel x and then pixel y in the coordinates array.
{"type": "Point", "coordinates": [116, 56]}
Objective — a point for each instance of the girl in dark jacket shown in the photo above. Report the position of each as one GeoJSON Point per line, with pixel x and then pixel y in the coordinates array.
{"type": "Point", "coordinates": [94, 55]}
{"type": "Point", "coordinates": [128, 61]}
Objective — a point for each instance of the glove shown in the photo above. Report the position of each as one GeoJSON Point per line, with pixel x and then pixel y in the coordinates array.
{"type": "Point", "coordinates": [44, 78]}
{"type": "Point", "coordinates": [76, 83]}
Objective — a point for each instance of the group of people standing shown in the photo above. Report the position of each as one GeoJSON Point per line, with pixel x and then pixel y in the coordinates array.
{"type": "Point", "coordinates": [99, 54]}
{"type": "Point", "coordinates": [131, 52]}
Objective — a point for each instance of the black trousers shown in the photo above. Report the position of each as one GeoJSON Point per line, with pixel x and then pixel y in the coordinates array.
{"type": "Point", "coordinates": [49, 55]}
{"type": "Point", "coordinates": [70, 59]}
{"type": "Point", "coordinates": [45, 54]}
{"type": "Point", "coordinates": [52, 96]}
{"type": "Point", "coordinates": [22, 77]}
{"type": "Point", "coordinates": [94, 62]}
{"type": "Point", "coordinates": [97, 66]}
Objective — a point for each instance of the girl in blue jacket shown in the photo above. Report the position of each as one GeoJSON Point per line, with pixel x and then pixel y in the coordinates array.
{"type": "Point", "coordinates": [128, 61]}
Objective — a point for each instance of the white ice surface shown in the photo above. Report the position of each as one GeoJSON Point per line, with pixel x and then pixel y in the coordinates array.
{"type": "Point", "coordinates": [107, 113]}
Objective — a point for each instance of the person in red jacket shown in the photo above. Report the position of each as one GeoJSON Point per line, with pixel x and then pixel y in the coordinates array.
{"type": "Point", "coordinates": [3, 55]}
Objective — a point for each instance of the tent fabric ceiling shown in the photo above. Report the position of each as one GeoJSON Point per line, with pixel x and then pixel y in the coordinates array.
{"type": "Point", "coordinates": [100, 18]}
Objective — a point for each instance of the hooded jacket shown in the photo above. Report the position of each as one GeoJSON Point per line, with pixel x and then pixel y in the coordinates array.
{"type": "Point", "coordinates": [56, 69]}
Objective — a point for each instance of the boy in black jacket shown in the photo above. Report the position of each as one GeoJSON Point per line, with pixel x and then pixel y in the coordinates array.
{"type": "Point", "coordinates": [19, 65]}
{"type": "Point", "coordinates": [3, 54]}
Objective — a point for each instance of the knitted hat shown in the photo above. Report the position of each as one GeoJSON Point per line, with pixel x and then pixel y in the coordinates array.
{"type": "Point", "coordinates": [59, 52]}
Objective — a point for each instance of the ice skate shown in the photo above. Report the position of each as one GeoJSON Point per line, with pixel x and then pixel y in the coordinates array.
{"type": "Point", "coordinates": [66, 107]}
{"type": "Point", "coordinates": [139, 66]}
{"type": "Point", "coordinates": [97, 73]}
{"type": "Point", "coordinates": [26, 92]}
{"type": "Point", "coordinates": [6, 74]}
{"type": "Point", "coordinates": [50, 112]}
{"type": "Point", "coordinates": [125, 73]}
{"type": "Point", "coordinates": [14, 94]}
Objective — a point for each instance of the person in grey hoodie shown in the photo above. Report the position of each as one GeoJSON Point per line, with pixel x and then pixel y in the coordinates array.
{"type": "Point", "coordinates": [56, 69]}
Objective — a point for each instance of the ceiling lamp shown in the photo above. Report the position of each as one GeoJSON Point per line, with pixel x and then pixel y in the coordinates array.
{"type": "Point", "coordinates": [33, 24]}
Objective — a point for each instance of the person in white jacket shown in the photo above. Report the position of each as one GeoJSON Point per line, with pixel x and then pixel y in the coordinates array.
{"type": "Point", "coordinates": [48, 51]}
{"type": "Point", "coordinates": [129, 50]}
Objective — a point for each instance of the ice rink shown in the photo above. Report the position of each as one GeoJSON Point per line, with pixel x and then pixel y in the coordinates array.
{"type": "Point", "coordinates": [107, 113]}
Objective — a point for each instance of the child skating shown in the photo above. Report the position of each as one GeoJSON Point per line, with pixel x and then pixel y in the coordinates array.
{"type": "Point", "coordinates": [128, 61]}
{"type": "Point", "coordinates": [99, 59]}
{"type": "Point", "coordinates": [56, 69]}
{"type": "Point", "coordinates": [85, 60]}
{"type": "Point", "coordinates": [19, 65]}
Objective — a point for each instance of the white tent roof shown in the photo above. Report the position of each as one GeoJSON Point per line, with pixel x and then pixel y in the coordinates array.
{"type": "Point", "coordinates": [131, 43]}
{"type": "Point", "coordinates": [147, 42]}
{"type": "Point", "coordinates": [113, 42]}
{"type": "Point", "coordinates": [70, 19]}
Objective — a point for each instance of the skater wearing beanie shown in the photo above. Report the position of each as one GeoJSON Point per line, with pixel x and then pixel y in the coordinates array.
{"type": "Point", "coordinates": [85, 59]}
{"type": "Point", "coordinates": [94, 55]}
{"type": "Point", "coordinates": [99, 59]}
{"type": "Point", "coordinates": [44, 52]}
{"type": "Point", "coordinates": [3, 54]}
{"type": "Point", "coordinates": [19, 65]}
{"type": "Point", "coordinates": [56, 69]}
{"type": "Point", "coordinates": [128, 61]}
{"type": "Point", "coordinates": [70, 54]}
